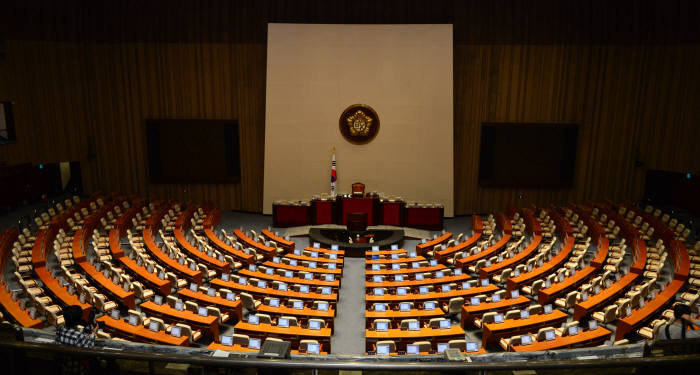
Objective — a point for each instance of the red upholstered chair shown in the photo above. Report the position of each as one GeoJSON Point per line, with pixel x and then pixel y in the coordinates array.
{"type": "Point", "coordinates": [358, 189]}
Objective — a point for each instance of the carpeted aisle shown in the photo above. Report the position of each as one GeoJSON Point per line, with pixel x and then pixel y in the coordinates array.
{"type": "Point", "coordinates": [349, 334]}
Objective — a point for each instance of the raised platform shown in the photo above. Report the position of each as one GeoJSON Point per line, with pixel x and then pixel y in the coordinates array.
{"type": "Point", "coordinates": [383, 238]}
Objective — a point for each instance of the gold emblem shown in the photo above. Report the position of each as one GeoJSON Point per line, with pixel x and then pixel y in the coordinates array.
{"type": "Point", "coordinates": [359, 123]}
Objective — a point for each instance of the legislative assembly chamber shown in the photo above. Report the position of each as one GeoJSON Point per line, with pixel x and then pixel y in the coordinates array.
{"type": "Point", "coordinates": [282, 186]}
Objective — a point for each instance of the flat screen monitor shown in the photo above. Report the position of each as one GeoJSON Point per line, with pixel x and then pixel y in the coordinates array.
{"type": "Point", "coordinates": [383, 349]}
{"type": "Point", "coordinates": [314, 324]}
{"type": "Point", "coordinates": [377, 279]}
{"type": "Point", "coordinates": [548, 309]}
{"type": "Point", "coordinates": [254, 343]}
{"type": "Point", "coordinates": [412, 349]}
{"type": "Point", "coordinates": [475, 301]}
{"type": "Point", "coordinates": [525, 340]}
{"type": "Point", "coordinates": [275, 259]}
{"type": "Point", "coordinates": [282, 287]}
{"type": "Point", "coordinates": [133, 320]}
{"type": "Point", "coordinates": [314, 254]}
{"type": "Point", "coordinates": [466, 285]}
{"type": "Point", "coordinates": [380, 307]}
{"type": "Point", "coordinates": [484, 282]}
{"type": "Point", "coordinates": [252, 268]}
{"type": "Point", "coordinates": [293, 262]}
{"type": "Point", "coordinates": [498, 318]}
{"type": "Point", "coordinates": [312, 264]}
{"type": "Point", "coordinates": [376, 267]}
{"type": "Point", "coordinates": [547, 153]}
{"type": "Point", "coordinates": [420, 276]}
{"type": "Point", "coordinates": [495, 298]}
{"type": "Point", "coordinates": [317, 245]}
{"type": "Point", "coordinates": [395, 266]}
{"type": "Point", "coordinates": [158, 300]}
{"type": "Point", "coordinates": [415, 265]}
{"type": "Point", "coordinates": [398, 278]}
{"type": "Point", "coordinates": [524, 314]}
{"type": "Point", "coordinates": [334, 247]}
{"type": "Point", "coordinates": [299, 305]}
{"type": "Point", "coordinates": [375, 248]}
{"type": "Point", "coordinates": [227, 340]}
{"type": "Point", "coordinates": [253, 319]}
{"type": "Point", "coordinates": [322, 306]}
{"type": "Point", "coordinates": [224, 276]}
{"type": "Point", "coordinates": [549, 335]}
{"type": "Point", "coordinates": [332, 256]}
{"type": "Point", "coordinates": [378, 291]}
{"type": "Point", "coordinates": [445, 288]}
{"type": "Point", "coordinates": [289, 274]}
{"type": "Point", "coordinates": [429, 306]}
{"type": "Point", "coordinates": [230, 296]}
{"type": "Point", "coordinates": [472, 347]}
{"type": "Point", "coordinates": [413, 326]}
{"type": "Point", "coordinates": [405, 306]}
{"type": "Point", "coordinates": [297, 252]}
{"type": "Point", "coordinates": [176, 331]}
{"type": "Point", "coordinates": [304, 289]}
{"type": "Point", "coordinates": [115, 314]}
{"type": "Point", "coordinates": [514, 293]}
{"type": "Point", "coordinates": [242, 281]}
{"type": "Point", "coordinates": [592, 325]}
{"type": "Point", "coordinates": [382, 326]}
{"type": "Point", "coordinates": [274, 302]}
{"type": "Point", "coordinates": [326, 290]}
{"type": "Point", "coordinates": [433, 263]}
{"type": "Point", "coordinates": [423, 290]}
{"type": "Point", "coordinates": [202, 311]}
{"type": "Point", "coordinates": [401, 291]}
{"type": "Point", "coordinates": [394, 247]}
{"type": "Point", "coordinates": [445, 324]}
{"type": "Point", "coordinates": [262, 284]}
{"type": "Point", "coordinates": [439, 274]}
{"type": "Point", "coordinates": [170, 144]}
{"type": "Point", "coordinates": [211, 292]}
{"type": "Point", "coordinates": [458, 271]}
{"type": "Point", "coordinates": [394, 256]}
{"type": "Point", "coordinates": [573, 330]}
{"type": "Point", "coordinates": [313, 348]}
{"type": "Point", "coordinates": [283, 322]}
{"type": "Point", "coordinates": [179, 306]}
{"type": "Point", "coordinates": [441, 347]}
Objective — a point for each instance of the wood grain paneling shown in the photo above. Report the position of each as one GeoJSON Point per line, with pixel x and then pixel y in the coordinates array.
{"type": "Point", "coordinates": [84, 75]}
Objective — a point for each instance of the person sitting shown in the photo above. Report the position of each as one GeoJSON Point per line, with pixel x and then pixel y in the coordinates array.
{"type": "Point", "coordinates": [70, 335]}
{"type": "Point", "coordinates": [682, 313]}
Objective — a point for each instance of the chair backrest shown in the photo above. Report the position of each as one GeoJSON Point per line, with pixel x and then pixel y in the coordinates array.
{"type": "Point", "coordinates": [423, 346]}
{"type": "Point", "coordinates": [455, 305]}
{"type": "Point", "coordinates": [512, 314]}
{"type": "Point", "coordinates": [542, 333]}
{"type": "Point", "coordinates": [405, 322]}
{"type": "Point", "coordinates": [264, 318]}
{"type": "Point", "coordinates": [390, 343]}
{"type": "Point", "coordinates": [535, 309]}
{"type": "Point", "coordinates": [489, 317]}
{"type": "Point", "coordinates": [457, 344]}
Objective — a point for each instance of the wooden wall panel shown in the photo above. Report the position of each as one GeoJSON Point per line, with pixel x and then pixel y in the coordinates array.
{"type": "Point", "coordinates": [84, 75]}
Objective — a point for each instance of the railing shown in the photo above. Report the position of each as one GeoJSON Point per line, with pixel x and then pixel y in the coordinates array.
{"type": "Point", "coordinates": [674, 353]}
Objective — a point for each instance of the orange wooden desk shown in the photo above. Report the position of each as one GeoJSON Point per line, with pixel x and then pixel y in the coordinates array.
{"type": "Point", "coordinates": [418, 283]}
{"type": "Point", "coordinates": [392, 261]}
{"type": "Point", "coordinates": [238, 254]}
{"type": "Point", "coordinates": [513, 261]}
{"type": "Point", "coordinates": [546, 295]}
{"type": "Point", "coordinates": [269, 263]}
{"type": "Point", "coordinates": [650, 309]}
{"type": "Point", "coordinates": [464, 262]}
{"type": "Point", "coordinates": [267, 251]}
{"type": "Point", "coordinates": [283, 243]}
{"type": "Point", "coordinates": [38, 250]}
{"type": "Point", "coordinates": [640, 250]}
{"type": "Point", "coordinates": [290, 280]}
{"type": "Point", "coordinates": [141, 333]}
{"type": "Point", "coordinates": [222, 303]}
{"type": "Point", "coordinates": [536, 273]}
{"type": "Point", "coordinates": [208, 324]}
{"type": "Point", "coordinates": [211, 262]}
{"type": "Point", "coordinates": [582, 339]}
{"type": "Point", "coordinates": [598, 301]}
{"type": "Point", "coordinates": [405, 270]}
{"type": "Point", "coordinates": [172, 264]}
{"type": "Point", "coordinates": [60, 292]}
{"type": "Point", "coordinates": [151, 279]}
{"type": "Point", "coordinates": [304, 314]}
{"type": "Point", "coordinates": [396, 316]}
{"type": "Point", "coordinates": [404, 337]}
{"type": "Point", "coordinates": [13, 308]}
{"type": "Point", "coordinates": [477, 228]}
{"type": "Point", "coordinates": [339, 253]}
{"type": "Point", "coordinates": [270, 292]}
{"type": "Point", "coordinates": [492, 332]}
{"type": "Point", "coordinates": [442, 297]}
{"type": "Point", "coordinates": [368, 254]}
{"type": "Point", "coordinates": [469, 313]}
{"type": "Point", "coordinates": [117, 251]}
{"type": "Point", "coordinates": [304, 258]}
{"type": "Point", "coordinates": [421, 248]}
{"type": "Point", "coordinates": [116, 291]}
{"type": "Point", "coordinates": [292, 334]}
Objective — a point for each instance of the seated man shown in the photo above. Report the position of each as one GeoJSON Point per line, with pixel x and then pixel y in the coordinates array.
{"type": "Point", "coordinates": [682, 313]}
{"type": "Point", "coordinates": [70, 335]}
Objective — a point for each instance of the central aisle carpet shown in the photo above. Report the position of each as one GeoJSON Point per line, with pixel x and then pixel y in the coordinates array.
{"type": "Point", "coordinates": [349, 334]}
